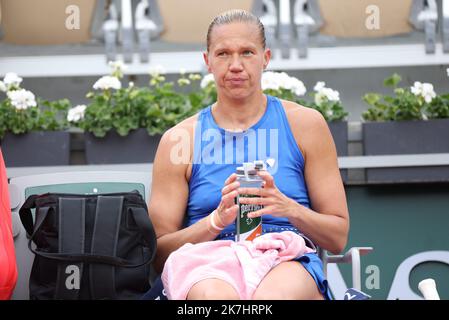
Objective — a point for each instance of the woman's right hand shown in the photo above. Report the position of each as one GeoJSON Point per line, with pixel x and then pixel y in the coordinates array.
{"type": "Point", "coordinates": [226, 211]}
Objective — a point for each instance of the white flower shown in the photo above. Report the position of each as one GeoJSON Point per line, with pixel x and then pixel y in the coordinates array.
{"type": "Point", "coordinates": [194, 77]}
{"type": "Point", "coordinates": [281, 80]}
{"type": "Point", "coordinates": [207, 79]}
{"type": "Point", "coordinates": [298, 87]}
{"type": "Point", "coordinates": [182, 71]}
{"type": "Point", "coordinates": [428, 92]}
{"type": "Point", "coordinates": [447, 70]}
{"type": "Point", "coordinates": [424, 90]}
{"type": "Point", "coordinates": [76, 114]}
{"type": "Point", "coordinates": [107, 82]}
{"type": "Point", "coordinates": [22, 99]}
{"type": "Point", "coordinates": [417, 88]}
{"type": "Point", "coordinates": [12, 80]}
{"type": "Point", "coordinates": [131, 84]}
{"type": "Point", "coordinates": [183, 82]}
{"type": "Point", "coordinates": [325, 94]}
{"type": "Point", "coordinates": [269, 81]}
{"type": "Point", "coordinates": [117, 67]}
{"type": "Point", "coordinates": [320, 97]}
{"type": "Point", "coordinates": [2, 86]}
{"type": "Point", "coordinates": [331, 95]}
{"type": "Point", "coordinates": [156, 71]}
{"type": "Point", "coordinates": [319, 86]}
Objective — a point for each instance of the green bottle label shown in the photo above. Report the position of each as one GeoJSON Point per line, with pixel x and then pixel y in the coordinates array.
{"type": "Point", "coordinates": [247, 224]}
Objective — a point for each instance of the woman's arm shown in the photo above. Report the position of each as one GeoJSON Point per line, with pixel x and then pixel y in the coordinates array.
{"type": "Point", "coordinates": [168, 201]}
{"type": "Point", "coordinates": [328, 229]}
{"type": "Point", "coordinates": [169, 197]}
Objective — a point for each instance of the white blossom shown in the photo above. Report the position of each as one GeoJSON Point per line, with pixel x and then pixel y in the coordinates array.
{"type": "Point", "coordinates": [131, 84]}
{"type": "Point", "coordinates": [281, 80]}
{"type": "Point", "coordinates": [417, 88]}
{"type": "Point", "coordinates": [207, 79]}
{"type": "Point", "coordinates": [183, 82]}
{"type": "Point", "coordinates": [22, 99]}
{"type": "Point", "coordinates": [107, 82]}
{"type": "Point", "coordinates": [325, 94]}
{"type": "Point", "coordinates": [117, 67]}
{"type": "Point", "coordinates": [157, 70]}
{"type": "Point", "coordinates": [182, 71]}
{"type": "Point", "coordinates": [447, 71]}
{"type": "Point", "coordinates": [424, 90]}
{"type": "Point", "coordinates": [298, 87]}
{"type": "Point", "coordinates": [319, 98]}
{"type": "Point", "coordinates": [269, 81]}
{"type": "Point", "coordinates": [12, 80]}
{"type": "Point", "coordinates": [77, 113]}
{"type": "Point", "coordinates": [194, 77]}
{"type": "Point", "coordinates": [319, 86]}
{"type": "Point", "coordinates": [331, 95]}
{"type": "Point", "coordinates": [428, 92]}
{"type": "Point", "coordinates": [2, 86]}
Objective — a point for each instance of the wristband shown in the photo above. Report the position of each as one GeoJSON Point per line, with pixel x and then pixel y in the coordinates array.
{"type": "Point", "coordinates": [212, 223]}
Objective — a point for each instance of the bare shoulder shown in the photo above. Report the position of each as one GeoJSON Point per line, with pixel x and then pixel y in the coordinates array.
{"type": "Point", "coordinates": [181, 132]}
{"type": "Point", "coordinates": [307, 125]}
{"type": "Point", "coordinates": [187, 125]}
{"type": "Point", "coordinates": [175, 151]}
{"type": "Point", "coordinates": [303, 117]}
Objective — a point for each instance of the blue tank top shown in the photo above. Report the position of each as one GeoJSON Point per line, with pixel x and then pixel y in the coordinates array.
{"type": "Point", "coordinates": [218, 153]}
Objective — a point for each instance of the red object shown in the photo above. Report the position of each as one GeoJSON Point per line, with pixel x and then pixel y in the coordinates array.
{"type": "Point", "coordinates": [8, 267]}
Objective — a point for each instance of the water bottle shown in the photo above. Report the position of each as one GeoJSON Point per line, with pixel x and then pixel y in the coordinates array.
{"type": "Point", "coordinates": [248, 228]}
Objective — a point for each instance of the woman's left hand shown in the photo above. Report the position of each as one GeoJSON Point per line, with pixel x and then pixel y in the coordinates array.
{"type": "Point", "coordinates": [274, 201]}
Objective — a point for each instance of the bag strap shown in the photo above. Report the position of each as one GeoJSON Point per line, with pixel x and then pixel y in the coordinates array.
{"type": "Point", "coordinates": [108, 215]}
{"type": "Point", "coordinates": [25, 213]}
{"type": "Point", "coordinates": [146, 227]}
{"type": "Point", "coordinates": [71, 238]}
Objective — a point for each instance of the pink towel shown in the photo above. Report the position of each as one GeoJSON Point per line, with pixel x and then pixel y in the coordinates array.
{"type": "Point", "coordinates": [242, 264]}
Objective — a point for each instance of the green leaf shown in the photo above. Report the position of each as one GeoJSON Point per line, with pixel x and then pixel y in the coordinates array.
{"type": "Point", "coordinates": [393, 81]}
{"type": "Point", "coordinates": [371, 98]}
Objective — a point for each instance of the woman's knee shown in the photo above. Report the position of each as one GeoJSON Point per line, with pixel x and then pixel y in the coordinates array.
{"type": "Point", "coordinates": [270, 295]}
{"type": "Point", "coordinates": [280, 294]}
{"type": "Point", "coordinates": [288, 281]}
{"type": "Point", "coordinates": [212, 289]}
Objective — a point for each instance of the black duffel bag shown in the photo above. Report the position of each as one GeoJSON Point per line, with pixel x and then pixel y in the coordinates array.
{"type": "Point", "coordinates": [96, 246]}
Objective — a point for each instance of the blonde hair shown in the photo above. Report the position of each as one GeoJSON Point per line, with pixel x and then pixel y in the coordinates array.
{"type": "Point", "coordinates": [236, 15]}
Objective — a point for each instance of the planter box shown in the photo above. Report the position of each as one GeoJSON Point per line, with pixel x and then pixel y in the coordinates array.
{"type": "Point", "coordinates": [339, 131]}
{"type": "Point", "coordinates": [407, 137]}
{"type": "Point", "coordinates": [40, 148]}
{"type": "Point", "coordinates": [136, 147]}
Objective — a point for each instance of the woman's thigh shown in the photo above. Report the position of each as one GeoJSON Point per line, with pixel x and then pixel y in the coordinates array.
{"type": "Point", "coordinates": [288, 281]}
{"type": "Point", "coordinates": [212, 289]}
